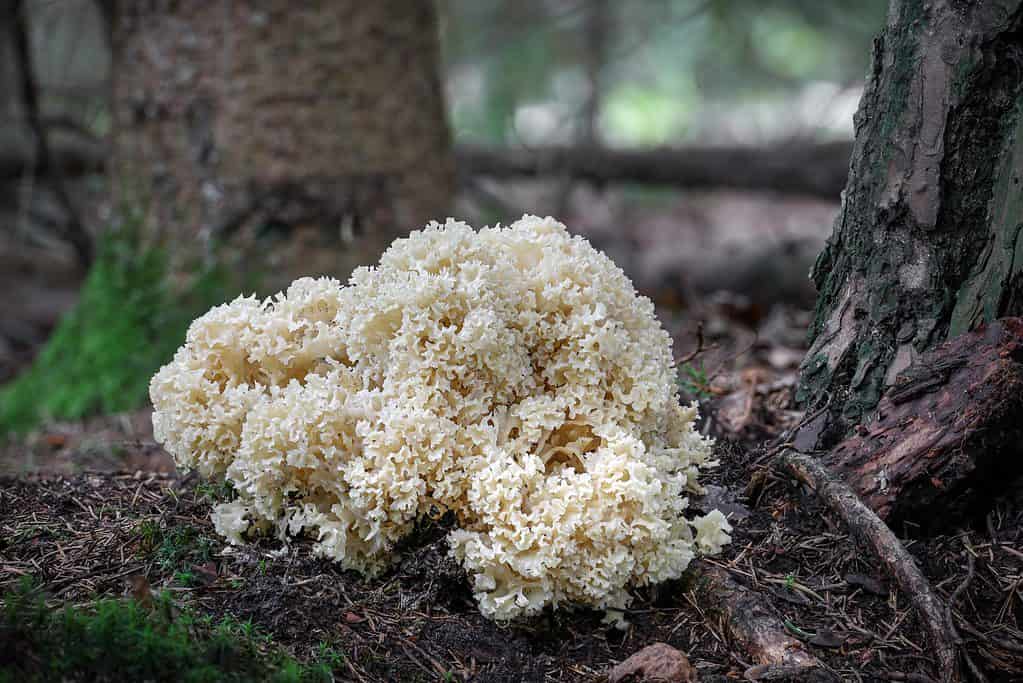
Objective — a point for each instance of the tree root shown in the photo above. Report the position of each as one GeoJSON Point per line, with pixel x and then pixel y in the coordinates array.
{"type": "Point", "coordinates": [874, 534]}
{"type": "Point", "coordinates": [753, 626]}
{"type": "Point", "coordinates": [946, 437]}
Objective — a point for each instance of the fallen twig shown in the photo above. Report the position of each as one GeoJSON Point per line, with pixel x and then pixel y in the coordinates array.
{"type": "Point", "coordinates": [873, 533]}
{"type": "Point", "coordinates": [755, 628]}
{"type": "Point", "coordinates": [691, 356]}
{"type": "Point", "coordinates": [974, 670]}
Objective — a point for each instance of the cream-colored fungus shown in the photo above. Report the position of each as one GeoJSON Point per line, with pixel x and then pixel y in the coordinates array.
{"type": "Point", "coordinates": [511, 376]}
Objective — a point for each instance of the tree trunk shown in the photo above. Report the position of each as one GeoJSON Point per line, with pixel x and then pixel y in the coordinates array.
{"type": "Point", "coordinates": [928, 242]}
{"type": "Point", "coordinates": [20, 72]}
{"type": "Point", "coordinates": [315, 119]}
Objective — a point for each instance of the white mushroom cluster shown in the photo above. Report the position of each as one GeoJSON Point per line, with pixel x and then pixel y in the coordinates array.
{"type": "Point", "coordinates": [511, 376]}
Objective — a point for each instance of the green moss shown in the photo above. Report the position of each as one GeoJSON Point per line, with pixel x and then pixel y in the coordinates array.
{"type": "Point", "coordinates": [175, 549]}
{"type": "Point", "coordinates": [121, 640]}
{"type": "Point", "coordinates": [127, 323]}
{"type": "Point", "coordinates": [814, 376]}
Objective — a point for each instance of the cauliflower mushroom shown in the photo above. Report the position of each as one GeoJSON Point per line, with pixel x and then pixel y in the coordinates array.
{"type": "Point", "coordinates": [510, 375]}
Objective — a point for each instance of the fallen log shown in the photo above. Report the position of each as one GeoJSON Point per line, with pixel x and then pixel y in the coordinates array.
{"type": "Point", "coordinates": [753, 626]}
{"type": "Point", "coordinates": [811, 169]}
{"type": "Point", "coordinates": [947, 436]}
{"type": "Point", "coordinates": [814, 169]}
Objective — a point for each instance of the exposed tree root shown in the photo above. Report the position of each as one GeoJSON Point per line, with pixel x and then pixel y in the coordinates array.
{"type": "Point", "coordinates": [874, 534]}
{"type": "Point", "coordinates": [755, 628]}
{"type": "Point", "coordinates": [945, 436]}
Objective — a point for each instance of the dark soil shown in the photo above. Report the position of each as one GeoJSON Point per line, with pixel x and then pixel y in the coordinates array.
{"type": "Point", "coordinates": [94, 509]}
{"type": "Point", "coordinates": [114, 534]}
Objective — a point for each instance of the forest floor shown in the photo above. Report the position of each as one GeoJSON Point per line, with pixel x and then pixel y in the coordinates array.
{"type": "Point", "coordinates": [96, 510]}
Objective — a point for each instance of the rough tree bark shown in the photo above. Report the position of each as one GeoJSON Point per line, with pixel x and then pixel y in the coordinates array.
{"type": "Point", "coordinates": [946, 436]}
{"type": "Point", "coordinates": [323, 117]}
{"type": "Point", "coordinates": [928, 242]}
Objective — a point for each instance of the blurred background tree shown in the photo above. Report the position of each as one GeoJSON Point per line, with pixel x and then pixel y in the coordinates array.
{"type": "Point", "coordinates": [271, 139]}
{"type": "Point", "coordinates": [658, 72]}
{"type": "Point", "coordinates": [322, 121]}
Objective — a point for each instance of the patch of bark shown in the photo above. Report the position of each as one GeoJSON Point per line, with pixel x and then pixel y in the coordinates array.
{"type": "Point", "coordinates": [946, 437]}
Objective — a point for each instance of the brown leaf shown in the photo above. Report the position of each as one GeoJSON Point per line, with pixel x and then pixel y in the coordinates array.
{"type": "Point", "coordinates": [658, 662]}
{"type": "Point", "coordinates": [141, 590]}
{"type": "Point", "coordinates": [827, 638]}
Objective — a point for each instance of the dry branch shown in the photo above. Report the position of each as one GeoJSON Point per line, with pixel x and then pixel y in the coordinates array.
{"type": "Point", "coordinates": [875, 535]}
{"type": "Point", "coordinates": [755, 628]}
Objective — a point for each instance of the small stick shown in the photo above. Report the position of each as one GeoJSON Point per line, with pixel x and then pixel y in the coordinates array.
{"type": "Point", "coordinates": [866, 526]}
{"type": "Point", "coordinates": [757, 629]}
{"type": "Point", "coordinates": [974, 670]}
{"type": "Point", "coordinates": [689, 357]}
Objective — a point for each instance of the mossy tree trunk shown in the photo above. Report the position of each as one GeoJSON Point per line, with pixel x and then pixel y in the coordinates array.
{"type": "Point", "coordinates": [324, 121]}
{"type": "Point", "coordinates": [928, 242]}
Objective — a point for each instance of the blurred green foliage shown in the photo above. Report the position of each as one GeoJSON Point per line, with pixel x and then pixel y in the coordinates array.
{"type": "Point", "coordinates": [517, 71]}
{"type": "Point", "coordinates": [128, 321]}
{"type": "Point", "coordinates": [122, 640]}
{"type": "Point", "coordinates": [520, 72]}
